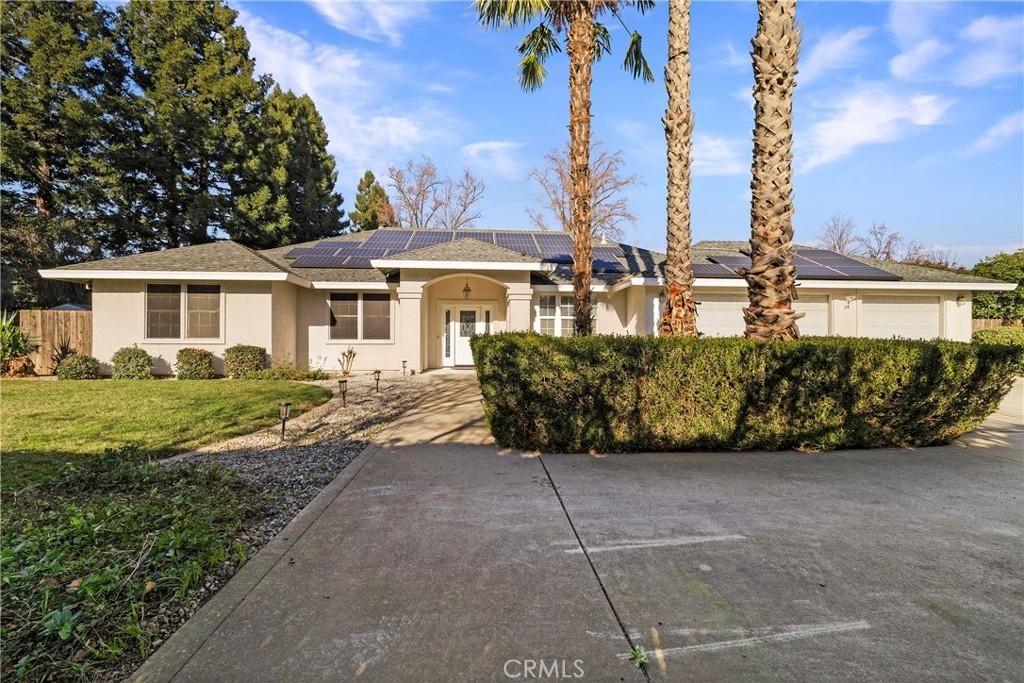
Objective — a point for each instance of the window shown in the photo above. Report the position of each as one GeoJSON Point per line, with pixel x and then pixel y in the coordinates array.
{"type": "Point", "coordinates": [163, 311]}
{"type": "Point", "coordinates": [376, 316]}
{"type": "Point", "coordinates": [555, 315]}
{"type": "Point", "coordinates": [360, 316]}
{"type": "Point", "coordinates": [202, 307]}
{"type": "Point", "coordinates": [344, 316]}
{"type": "Point", "coordinates": [487, 321]}
{"type": "Point", "coordinates": [448, 333]}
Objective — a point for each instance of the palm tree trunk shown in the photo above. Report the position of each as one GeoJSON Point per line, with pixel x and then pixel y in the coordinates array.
{"type": "Point", "coordinates": [679, 316]}
{"type": "Point", "coordinates": [771, 278]}
{"type": "Point", "coordinates": [580, 49]}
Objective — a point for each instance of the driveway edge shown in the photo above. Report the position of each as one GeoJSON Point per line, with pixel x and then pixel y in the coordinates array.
{"type": "Point", "coordinates": [171, 657]}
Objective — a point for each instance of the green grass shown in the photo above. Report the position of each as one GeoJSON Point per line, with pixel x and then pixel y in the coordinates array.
{"type": "Point", "coordinates": [47, 423]}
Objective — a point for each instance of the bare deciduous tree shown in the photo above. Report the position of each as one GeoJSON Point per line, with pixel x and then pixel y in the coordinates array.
{"type": "Point", "coordinates": [426, 199]}
{"type": "Point", "coordinates": [880, 243]}
{"type": "Point", "coordinates": [839, 234]}
{"type": "Point", "coordinates": [609, 204]}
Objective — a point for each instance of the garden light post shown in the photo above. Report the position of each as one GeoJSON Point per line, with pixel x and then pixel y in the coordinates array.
{"type": "Point", "coordinates": [376, 376]}
{"type": "Point", "coordinates": [343, 389]}
{"type": "Point", "coordinates": [285, 411]}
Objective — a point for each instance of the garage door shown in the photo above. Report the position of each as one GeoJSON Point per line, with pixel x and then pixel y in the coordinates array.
{"type": "Point", "coordinates": [911, 317]}
{"type": "Point", "coordinates": [816, 310]}
{"type": "Point", "coordinates": [721, 315]}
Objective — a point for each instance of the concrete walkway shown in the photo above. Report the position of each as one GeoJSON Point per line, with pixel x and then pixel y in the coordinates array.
{"type": "Point", "coordinates": [437, 556]}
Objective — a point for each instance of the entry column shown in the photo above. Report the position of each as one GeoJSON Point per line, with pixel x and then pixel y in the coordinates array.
{"type": "Point", "coordinates": [519, 299]}
{"type": "Point", "coordinates": [410, 325]}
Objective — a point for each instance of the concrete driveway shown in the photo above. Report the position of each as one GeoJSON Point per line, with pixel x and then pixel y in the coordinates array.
{"type": "Point", "coordinates": [437, 556]}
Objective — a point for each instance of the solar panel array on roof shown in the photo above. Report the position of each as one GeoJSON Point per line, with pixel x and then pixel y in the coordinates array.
{"type": "Point", "coordinates": [817, 264]}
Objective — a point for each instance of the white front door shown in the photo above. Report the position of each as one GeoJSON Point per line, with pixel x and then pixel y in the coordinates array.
{"type": "Point", "coordinates": [466, 322]}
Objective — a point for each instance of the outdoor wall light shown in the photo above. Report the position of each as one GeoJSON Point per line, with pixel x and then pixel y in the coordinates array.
{"type": "Point", "coordinates": [466, 291]}
{"type": "Point", "coordinates": [343, 389]}
{"type": "Point", "coordinates": [285, 409]}
{"type": "Point", "coordinates": [376, 376]}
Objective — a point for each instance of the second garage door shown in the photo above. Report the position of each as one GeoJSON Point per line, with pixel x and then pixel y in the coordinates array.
{"type": "Point", "coordinates": [721, 315]}
{"type": "Point", "coordinates": [910, 317]}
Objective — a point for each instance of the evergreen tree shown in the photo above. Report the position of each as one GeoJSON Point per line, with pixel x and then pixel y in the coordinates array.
{"type": "Point", "coordinates": [59, 73]}
{"type": "Point", "coordinates": [285, 192]}
{"type": "Point", "coordinates": [194, 95]}
{"type": "Point", "coordinates": [373, 208]}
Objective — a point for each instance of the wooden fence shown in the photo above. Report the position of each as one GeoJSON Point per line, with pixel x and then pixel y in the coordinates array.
{"type": "Point", "coordinates": [49, 329]}
{"type": "Point", "coordinates": [986, 323]}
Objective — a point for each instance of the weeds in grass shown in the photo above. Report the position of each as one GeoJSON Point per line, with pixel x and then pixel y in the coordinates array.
{"type": "Point", "coordinates": [88, 556]}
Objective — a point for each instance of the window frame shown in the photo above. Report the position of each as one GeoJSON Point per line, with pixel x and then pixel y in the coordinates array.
{"type": "Point", "coordinates": [559, 319]}
{"type": "Point", "coordinates": [360, 337]}
{"type": "Point", "coordinates": [183, 337]}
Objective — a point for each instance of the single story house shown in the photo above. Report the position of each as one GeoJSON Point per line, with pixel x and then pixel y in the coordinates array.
{"type": "Point", "coordinates": [417, 296]}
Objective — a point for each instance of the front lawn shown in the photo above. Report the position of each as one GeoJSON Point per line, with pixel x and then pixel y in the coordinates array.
{"type": "Point", "coordinates": [47, 423]}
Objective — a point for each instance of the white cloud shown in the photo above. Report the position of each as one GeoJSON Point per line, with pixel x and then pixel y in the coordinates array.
{"type": "Point", "coordinates": [870, 114]}
{"type": "Point", "coordinates": [1009, 127]}
{"type": "Point", "coordinates": [833, 51]}
{"type": "Point", "coordinates": [496, 156]}
{"type": "Point", "coordinates": [714, 155]}
{"type": "Point", "coordinates": [352, 94]}
{"type": "Point", "coordinates": [997, 50]}
{"type": "Point", "coordinates": [914, 22]}
{"type": "Point", "coordinates": [911, 63]}
{"type": "Point", "coordinates": [377, 21]}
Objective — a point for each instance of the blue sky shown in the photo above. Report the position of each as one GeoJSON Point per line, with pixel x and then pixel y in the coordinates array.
{"type": "Point", "coordinates": [908, 113]}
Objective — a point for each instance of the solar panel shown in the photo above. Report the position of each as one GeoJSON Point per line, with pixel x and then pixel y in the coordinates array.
{"type": "Point", "coordinates": [862, 272]}
{"type": "Point", "coordinates": [817, 273]}
{"type": "Point", "coordinates": [556, 242]}
{"type": "Point", "coordinates": [607, 252]}
{"type": "Point", "coordinates": [608, 266]}
{"type": "Point", "coordinates": [517, 242]}
{"type": "Point", "coordinates": [425, 238]}
{"type": "Point", "coordinates": [388, 239]}
{"type": "Point", "coordinates": [298, 251]}
{"type": "Point", "coordinates": [731, 261]}
{"type": "Point", "coordinates": [319, 261]}
{"type": "Point", "coordinates": [486, 237]}
{"type": "Point", "coordinates": [713, 270]}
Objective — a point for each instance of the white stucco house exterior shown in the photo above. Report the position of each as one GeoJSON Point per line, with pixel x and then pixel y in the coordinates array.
{"type": "Point", "coordinates": [417, 296]}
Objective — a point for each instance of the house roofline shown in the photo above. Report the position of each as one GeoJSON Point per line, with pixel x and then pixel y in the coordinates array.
{"type": "Point", "coordinates": [739, 283]}
{"type": "Point", "coordinates": [389, 264]}
{"type": "Point", "coordinates": [79, 274]}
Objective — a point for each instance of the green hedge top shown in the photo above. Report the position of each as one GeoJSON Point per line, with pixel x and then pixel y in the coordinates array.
{"type": "Point", "coordinates": [607, 394]}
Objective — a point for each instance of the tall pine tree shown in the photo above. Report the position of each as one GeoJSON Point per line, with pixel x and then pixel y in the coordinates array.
{"type": "Point", "coordinates": [285, 192]}
{"type": "Point", "coordinates": [194, 94]}
{"type": "Point", "coordinates": [59, 73]}
{"type": "Point", "coordinates": [373, 208]}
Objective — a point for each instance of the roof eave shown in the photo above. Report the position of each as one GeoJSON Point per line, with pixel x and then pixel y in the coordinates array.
{"type": "Point", "coordinates": [82, 274]}
{"type": "Point", "coordinates": [391, 264]}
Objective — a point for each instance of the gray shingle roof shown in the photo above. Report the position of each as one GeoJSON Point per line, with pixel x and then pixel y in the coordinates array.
{"type": "Point", "coordinates": [224, 256]}
{"type": "Point", "coordinates": [464, 249]}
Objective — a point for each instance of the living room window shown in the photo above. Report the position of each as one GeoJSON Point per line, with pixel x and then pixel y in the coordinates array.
{"type": "Point", "coordinates": [555, 315]}
{"type": "Point", "coordinates": [355, 316]}
{"type": "Point", "coordinates": [199, 317]}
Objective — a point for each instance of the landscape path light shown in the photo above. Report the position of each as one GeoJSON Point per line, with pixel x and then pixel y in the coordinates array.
{"type": "Point", "coordinates": [343, 389]}
{"type": "Point", "coordinates": [285, 409]}
{"type": "Point", "coordinates": [376, 376]}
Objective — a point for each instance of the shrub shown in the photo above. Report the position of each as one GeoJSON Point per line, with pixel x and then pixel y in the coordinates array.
{"type": "Point", "coordinates": [645, 393]}
{"type": "Point", "coordinates": [1000, 335]}
{"type": "Point", "coordinates": [192, 363]}
{"type": "Point", "coordinates": [78, 366]}
{"type": "Point", "coordinates": [131, 362]}
{"type": "Point", "coordinates": [290, 372]}
{"type": "Point", "coordinates": [61, 350]}
{"type": "Point", "coordinates": [241, 361]}
{"type": "Point", "coordinates": [14, 341]}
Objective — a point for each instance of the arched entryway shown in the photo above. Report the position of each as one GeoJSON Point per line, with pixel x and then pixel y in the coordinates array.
{"type": "Point", "coordinates": [458, 306]}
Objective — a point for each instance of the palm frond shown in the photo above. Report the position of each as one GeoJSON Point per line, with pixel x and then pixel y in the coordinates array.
{"type": "Point", "coordinates": [536, 47]}
{"type": "Point", "coordinates": [602, 41]}
{"type": "Point", "coordinates": [641, 6]}
{"type": "Point", "coordinates": [635, 62]}
{"type": "Point", "coordinates": [505, 13]}
{"type": "Point", "coordinates": [531, 72]}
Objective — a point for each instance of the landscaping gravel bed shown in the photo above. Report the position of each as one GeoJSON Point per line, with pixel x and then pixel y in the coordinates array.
{"type": "Point", "coordinates": [288, 474]}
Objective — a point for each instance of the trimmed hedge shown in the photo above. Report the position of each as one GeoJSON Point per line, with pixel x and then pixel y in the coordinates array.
{"type": "Point", "coordinates": [78, 366]}
{"type": "Point", "coordinates": [242, 361]}
{"type": "Point", "coordinates": [291, 373]}
{"type": "Point", "coordinates": [192, 363]}
{"type": "Point", "coordinates": [1000, 335]}
{"type": "Point", "coordinates": [608, 394]}
{"type": "Point", "coordinates": [131, 362]}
